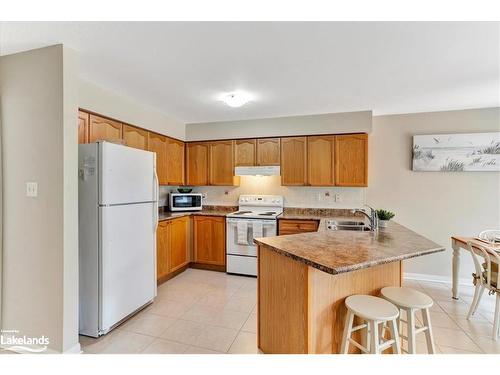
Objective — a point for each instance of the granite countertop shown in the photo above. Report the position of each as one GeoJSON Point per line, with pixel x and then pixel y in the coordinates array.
{"type": "Point", "coordinates": [207, 211]}
{"type": "Point", "coordinates": [294, 213]}
{"type": "Point", "coordinates": [344, 251]}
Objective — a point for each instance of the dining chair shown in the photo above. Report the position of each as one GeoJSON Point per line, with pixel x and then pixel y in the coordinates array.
{"type": "Point", "coordinates": [490, 235]}
{"type": "Point", "coordinates": [485, 278]}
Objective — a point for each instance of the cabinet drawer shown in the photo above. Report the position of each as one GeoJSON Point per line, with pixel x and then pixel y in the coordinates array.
{"type": "Point", "coordinates": [287, 226]}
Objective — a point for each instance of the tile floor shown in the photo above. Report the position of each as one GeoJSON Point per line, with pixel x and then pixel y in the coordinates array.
{"type": "Point", "coordinates": [205, 312]}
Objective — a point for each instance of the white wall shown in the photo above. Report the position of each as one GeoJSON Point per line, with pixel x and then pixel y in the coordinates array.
{"type": "Point", "coordinates": [435, 204]}
{"type": "Point", "coordinates": [40, 240]}
{"type": "Point", "coordinates": [330, 123]}
{"type": "Point", "coordinates": [108, 103]}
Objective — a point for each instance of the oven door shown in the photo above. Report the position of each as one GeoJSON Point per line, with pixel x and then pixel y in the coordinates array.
{"type": "Point", "coordinates": [232, 245]}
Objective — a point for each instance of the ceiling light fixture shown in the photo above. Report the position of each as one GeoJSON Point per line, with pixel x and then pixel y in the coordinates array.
{"type": "Point", "coordinates": [236, 99]}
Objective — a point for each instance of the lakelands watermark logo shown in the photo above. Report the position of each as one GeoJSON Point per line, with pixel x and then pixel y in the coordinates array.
{"type": "Point", "coordinates": [11, 340]}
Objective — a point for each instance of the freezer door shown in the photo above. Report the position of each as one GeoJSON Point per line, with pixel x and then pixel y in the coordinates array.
{"type": "Point", "coordinates": [127, 175]}
{"type": "Point", "coordinates": [128, 251]}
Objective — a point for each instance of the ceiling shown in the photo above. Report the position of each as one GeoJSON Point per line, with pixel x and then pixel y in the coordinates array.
{"type": "Point", "coordinates": [292, 68]}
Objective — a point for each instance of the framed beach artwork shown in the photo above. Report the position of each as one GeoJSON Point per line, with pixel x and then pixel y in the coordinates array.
{"type": "Point", "coordinates": [472, 152]}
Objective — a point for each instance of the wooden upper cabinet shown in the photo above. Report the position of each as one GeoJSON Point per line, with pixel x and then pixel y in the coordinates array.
{"type": "Point", "coordinates": [162, 250]}
{"type": "Point", "coordinates": [293, 161]}
{"type": "Point", "coordinates": [158, 143]}
{"type": "Point", "coordinates": [351, 160]}
{"type": "Point", "coordinates": [209, 240]}
{"type": "Point", "coordinates": [103, 129]}
{"type": "Point", "coordinates": [221, 163]}
{"type": "Point", "coordinates": [245, 152]}
{"type": "Point", "coordinates": [268, 151]}
{"type": "Point", "coordinates": [320, 160]}
{"type": "Point", "coordinates": [178, 255]}
{"type": "Point", "coordinates": [197, 163]}
{"type": "Point", "coordinates": [83, 127]}
{"type": "Point", "coordinates": [175, 162]}
{"type": "Point", "coordinates": [135, 137]}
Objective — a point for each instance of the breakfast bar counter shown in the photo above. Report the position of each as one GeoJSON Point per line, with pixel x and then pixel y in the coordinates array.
{"type": "Point", "coordinates": [303, 280]}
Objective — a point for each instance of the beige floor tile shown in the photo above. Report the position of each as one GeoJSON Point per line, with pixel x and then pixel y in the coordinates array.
{"type": "Point", "coordinates": [197, 350]}
{"type": "Point", "coordinates": [170, 308]}
{"type": "Point", "coordinates": [421, 347]}
{"type": "Point", "coordinates": [441, 320]}
{"type": "Point", "coordinates": [230, 319]}
{"type": "Point", "coordinates": [487, 344]}
{"type": "Point", "coordinates": [148, 324]}
{"type": "Point", "coordinates": [243, 304]}
{"type": "Point", "coordinates": [449, 350]}
{"type": "Point", "coordinates": [476, 325]}
{"type": "Point", "coordinates": [122, 342]}
{"type": "Point", "coordinates": [94, 345]}
{"type": "Point", "coordinates": [185, 296]}
{"type": "Point", "coordinates": [217, 298]}
{"type": "Point", "coordinates": [216, 338]}
{"type": "Point", "coordinates": [183, 331]}
{"type": "Point", "coordinates": [202, 314]}
{"type": "Point", "coordinates": [251, 324]}
{"type": "Point", "coordinates": [161, 346]}
{"type": "Point", "coordinates": [454, 307]}
{"type": "Point", "coordinates": [455, 338]}
{"type": "Point", "coordinates": [245, 343]}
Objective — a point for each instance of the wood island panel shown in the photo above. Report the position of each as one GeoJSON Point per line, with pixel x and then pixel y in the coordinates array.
{"type": "Point", "coordinates": [301, 309]}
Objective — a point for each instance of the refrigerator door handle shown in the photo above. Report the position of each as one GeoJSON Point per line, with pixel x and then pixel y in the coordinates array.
{"type": "Point", "coordinates": [155, 205]}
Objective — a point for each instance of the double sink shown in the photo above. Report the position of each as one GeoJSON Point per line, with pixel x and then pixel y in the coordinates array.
{"type": "Point", "coordinates": [347, 225]}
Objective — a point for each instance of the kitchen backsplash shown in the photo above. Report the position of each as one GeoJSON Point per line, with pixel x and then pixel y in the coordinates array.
{"type": "Point", "coordinates": [315, 197]}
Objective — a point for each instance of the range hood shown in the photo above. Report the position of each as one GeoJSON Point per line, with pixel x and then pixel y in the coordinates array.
{"type": "Point", "coordinates": [271, 170]}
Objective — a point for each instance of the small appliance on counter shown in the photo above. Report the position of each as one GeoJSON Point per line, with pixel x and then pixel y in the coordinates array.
{"type": "Point", "coordinates": [185, 202]}
{"type": "Point", "coordinates": [256, 217]}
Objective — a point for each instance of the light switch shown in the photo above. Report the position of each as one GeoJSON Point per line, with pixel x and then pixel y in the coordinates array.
{"type": "Point", "coordinates": [32, 189]}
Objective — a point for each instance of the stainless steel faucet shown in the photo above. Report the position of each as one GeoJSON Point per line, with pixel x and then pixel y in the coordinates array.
{"type": "Point", "coordinates": [372, 216]}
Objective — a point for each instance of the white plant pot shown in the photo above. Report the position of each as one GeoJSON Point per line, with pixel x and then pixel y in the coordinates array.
{"type": "Point", "coordinates": [383, 223]}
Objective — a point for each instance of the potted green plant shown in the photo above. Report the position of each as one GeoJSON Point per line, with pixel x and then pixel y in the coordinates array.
{"type": "Point", "coordinates": [383, 217]}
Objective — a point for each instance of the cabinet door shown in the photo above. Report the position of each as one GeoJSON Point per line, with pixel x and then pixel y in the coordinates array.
{"type": "Point", "coordinates": [197, 163]}
{"type": "Point", "coordinates": [162, 249]}
{"type": "Point", "coordinates": [209, 240]}
{"type": "Point", "coordinates": [178, 243]}
{"type": "Point", "coordinates": [351, 160]}
{"type": "Point", "coordinates": [158, 143]}
{"type": "Point", "coordinates": [175, 162]}
{"type": "Point", "coordinates": [245, 152]}
{"type": "Point", "coordinates": [221, 163]}
{"type": "Point", "coordinates": [268, 151]}
{"type": "Point", "coordinates": [293, 161]}
{"type": "Point", "coordinates": [320, 160]}
{"type": "Point", "coordinates": [83, 127]}
{"type": "Point", "coordinates": [135, 137]}
{"type": "Point", "coordinates": [103, 129]}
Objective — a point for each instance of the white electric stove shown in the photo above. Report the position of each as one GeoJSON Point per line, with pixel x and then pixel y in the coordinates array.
{"type": "Point", "coordinates": [256, 217]}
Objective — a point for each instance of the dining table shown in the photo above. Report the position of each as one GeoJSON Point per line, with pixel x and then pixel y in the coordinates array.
{"type": "Point", "coordinates": [459, 243]}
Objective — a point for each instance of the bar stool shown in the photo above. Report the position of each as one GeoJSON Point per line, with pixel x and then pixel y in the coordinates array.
{"type": "Point", "coordinates": [411, 300]}
{"type": "Point", "coordinates": [373, 310]}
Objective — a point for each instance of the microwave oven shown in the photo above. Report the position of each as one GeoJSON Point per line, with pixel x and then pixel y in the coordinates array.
{"type": "Point", "coordinates": [185, 202]}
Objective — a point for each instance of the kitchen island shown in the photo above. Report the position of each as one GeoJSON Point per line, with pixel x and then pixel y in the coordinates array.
{"type": "Point", "coordinates": [303, 280]}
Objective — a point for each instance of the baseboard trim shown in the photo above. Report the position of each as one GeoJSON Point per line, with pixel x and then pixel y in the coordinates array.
{"type": "Point", "coordinates": [435, 278]}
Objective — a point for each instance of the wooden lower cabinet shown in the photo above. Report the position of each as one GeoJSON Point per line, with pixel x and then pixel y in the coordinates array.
{"type": "Point", "coordinates": [290, 226]}
{"type": "Point", "coordinates": [179, 232]}
{"type": "Point", "coordinates": [172, 251]}
{"type": "Point", "coordinates": [209, 240]}
{"type": "Point", "coordinates": [162, 249]}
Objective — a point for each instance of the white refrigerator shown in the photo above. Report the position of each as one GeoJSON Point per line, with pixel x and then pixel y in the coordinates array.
{"type": "Point", "coordinates": [118, 216]}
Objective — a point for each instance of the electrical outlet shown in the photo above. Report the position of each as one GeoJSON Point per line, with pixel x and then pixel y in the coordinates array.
{"type": "Point", "coordinates": [338, 198]}
{"type": "Point", "coordinates": [32, 189]}
{"type": "Point", "coordinates": [327, 194]}
{"type": "Point", "coordinates": [204, 196]}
